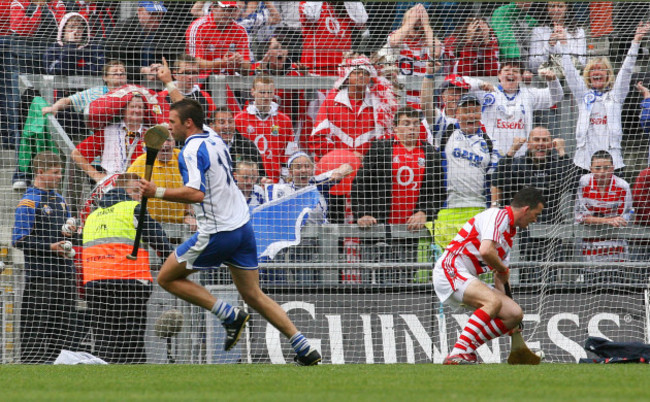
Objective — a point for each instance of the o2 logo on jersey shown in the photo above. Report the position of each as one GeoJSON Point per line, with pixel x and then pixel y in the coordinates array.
{"type": "Point", "coordinates": [474, 159]}
{"type": "Point", "coordinates": [406, 176]}
{"type": "Point", "coordinates": [333, 25]}
{"type": "Point", "coordinates": [261, 143]}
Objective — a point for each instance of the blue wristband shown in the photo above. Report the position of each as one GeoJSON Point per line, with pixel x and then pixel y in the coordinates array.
{"type": "Point", "coordinates": [429, 76]}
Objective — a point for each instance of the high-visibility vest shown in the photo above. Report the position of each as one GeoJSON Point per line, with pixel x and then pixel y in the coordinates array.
{"type": "Point", "coordinates": [108, 237]}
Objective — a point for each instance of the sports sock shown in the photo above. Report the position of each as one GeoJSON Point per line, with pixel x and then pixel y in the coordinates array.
{"type": "Point", "coordinates": [224, 311]}
{"type": "Point", "coordinates": [480, 328]}
{"type": "Point", "coordinates": [300, 344]}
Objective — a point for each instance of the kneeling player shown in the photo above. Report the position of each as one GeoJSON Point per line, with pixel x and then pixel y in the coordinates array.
{"type": "Point", "coordinates": [484, 244]}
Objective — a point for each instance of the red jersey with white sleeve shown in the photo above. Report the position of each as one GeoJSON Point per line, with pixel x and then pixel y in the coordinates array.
{"type": "Point", "coordinates": [326, 35]}
{"type": "Point", "coordinates": [615, 201]}
{"type": "Point", "coordinates": [343, 124]}
{"type": "Point", "coordinates": [117, 147]}
{"type": "Point", "coordinates": [271, 135]}
{"type": "Point", "coordinates": [205, 40]}
{"type": "Point", "coordinates": [408, 169]}
{"type": "Point", "coordinates": [462, 254]}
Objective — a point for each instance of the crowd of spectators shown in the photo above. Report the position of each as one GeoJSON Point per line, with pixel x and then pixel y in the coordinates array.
{"type": "Point", "coordinates": [496, 80]}
{"type": "Point", "coordinates": [508, 72]}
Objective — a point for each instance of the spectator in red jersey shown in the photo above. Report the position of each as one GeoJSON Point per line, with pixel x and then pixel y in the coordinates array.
{"type": "Point", "coordinates": [218, 42]}
{"type": "Point", "coordinates": [359, 109]}
{"type": "Point", "coordinates": [413, 45]}
{"type": "Point", "coordinates": [603, 199]}
{"type": "Point", "coordinates": [472, 50]}
{"type": "Point", "coordinates": [398, 182]}
{"type": "Point", "coordinates": [276, 62]}
{"type": "Point", "coordinates": [268, 128]}
{"type": "Point", "coordinates": [118, 145]}
{"type": "Point", "coordinates": [34, 24]}
{"type": "Point", "coordinates": [327, 32]}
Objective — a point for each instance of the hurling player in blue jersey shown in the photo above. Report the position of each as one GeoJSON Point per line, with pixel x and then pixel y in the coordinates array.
{"type": "Point", "coordinates": [224, 235]}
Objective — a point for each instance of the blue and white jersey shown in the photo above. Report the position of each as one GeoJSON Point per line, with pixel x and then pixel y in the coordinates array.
{"type": "Point", "coordinates": [205, 165]}
{"type": "Point", "coordinates": [467, 162]}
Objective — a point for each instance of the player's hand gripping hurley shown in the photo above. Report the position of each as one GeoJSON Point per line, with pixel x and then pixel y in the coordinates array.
{"type": "Point", "coordinates": [519, 352]}
{"type": "Point", "coordinates": [154, 139]}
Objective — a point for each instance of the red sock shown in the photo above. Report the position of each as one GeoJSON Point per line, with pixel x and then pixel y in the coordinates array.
{"type": "Point", "coordinates": [480, 328]}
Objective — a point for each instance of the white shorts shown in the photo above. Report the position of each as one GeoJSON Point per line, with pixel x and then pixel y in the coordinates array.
{"type": "Point", "coordinates": [450, 284]}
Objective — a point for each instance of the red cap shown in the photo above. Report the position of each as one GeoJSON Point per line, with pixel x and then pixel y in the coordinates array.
{"type": "Point", "coordinates": [456, 81]}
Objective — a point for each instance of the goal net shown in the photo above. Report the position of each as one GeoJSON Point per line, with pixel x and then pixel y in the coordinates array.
{"type": "Point", "coordinates": [362, 137]}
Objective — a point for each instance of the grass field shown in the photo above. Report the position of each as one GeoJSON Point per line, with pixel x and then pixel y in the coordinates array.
{"type": "Point", "coordinates": [498, 382]}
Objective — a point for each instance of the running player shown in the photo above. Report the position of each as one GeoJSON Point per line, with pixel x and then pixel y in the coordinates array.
{"type": "Point", "coordinates": [225, 234]}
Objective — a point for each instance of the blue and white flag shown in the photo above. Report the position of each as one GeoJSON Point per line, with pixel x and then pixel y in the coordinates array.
{"type": "Point", "coordinates": [277, 223]}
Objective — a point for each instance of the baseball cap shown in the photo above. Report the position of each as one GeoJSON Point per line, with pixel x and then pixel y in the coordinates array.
{"type": "Point", "coordinates": [454, 80]}
{"type": "Point", "coordinates": [226, 4]}
{"type": "Point", "coordinates": [153, 6]}
{"type": "Point", "coordinates": [467, 99]}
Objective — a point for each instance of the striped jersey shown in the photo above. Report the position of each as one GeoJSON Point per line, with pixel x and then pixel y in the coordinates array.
{"type": "Point", "coordinates": [492, 224]}
{"type": "Point", "coordinates": [616, 200]}
{"type": "Point", "coordinates": [467, 162]}
{"type": "Point", "coordinates": [205, 165]}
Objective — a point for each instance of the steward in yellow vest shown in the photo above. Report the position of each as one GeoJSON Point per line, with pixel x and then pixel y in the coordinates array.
{"type": "Point", "coordinates": [116, 288]}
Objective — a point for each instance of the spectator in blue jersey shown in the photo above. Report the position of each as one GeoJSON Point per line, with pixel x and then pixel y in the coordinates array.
{"type": "Point", "coordinates": [452, 88]}
{"type": "Point", "coordinates": [225, 234]}
{"type": "Point", "coordinates": [468, 160]}
{"type": "Point", "coordinates": [50, 293]}
{"type": "Point", "coordinates": [74, 53]}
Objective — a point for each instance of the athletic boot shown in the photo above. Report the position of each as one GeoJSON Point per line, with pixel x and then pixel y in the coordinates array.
{"type": "Point", "coordinates": [235, 328]}
{"type": "Point", "coordinates": [460, 359]}
{"type": "Point", "coordinates": [312, 358]}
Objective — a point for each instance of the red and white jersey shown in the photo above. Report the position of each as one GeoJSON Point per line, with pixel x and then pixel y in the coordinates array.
{"type": "Point", "coordinates": [408, 170]}
{"type": "Point", "coordinates": [412, 60]}
{"type": "Point", "coordinates": [204, 40]}
{"type": "Point", "coordinates": [117, 147]}
{"type": "Point", "coordinates": [271, 135]}
{"type": "Point", "coordinates": [616, 200]}
{"type": "Point", "coordinates": [506, 116]}
{"type": "Point", "coordinates": [342, 125]}
{"type": "Point", "coordinates": [326, 35]}
{"type": "Point", "coordinates": [463, 251]}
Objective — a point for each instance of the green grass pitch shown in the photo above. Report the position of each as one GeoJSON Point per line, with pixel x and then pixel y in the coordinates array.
{"type": "Point", "coordinates": [399, 382]}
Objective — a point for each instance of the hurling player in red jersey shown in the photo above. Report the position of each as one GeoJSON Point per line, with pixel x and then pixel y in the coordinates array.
{"type": "Point", "coordinates": [483, 244]}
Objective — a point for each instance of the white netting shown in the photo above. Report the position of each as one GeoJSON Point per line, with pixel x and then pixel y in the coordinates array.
{"type": "Point", "coordinates": [439, 110]}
